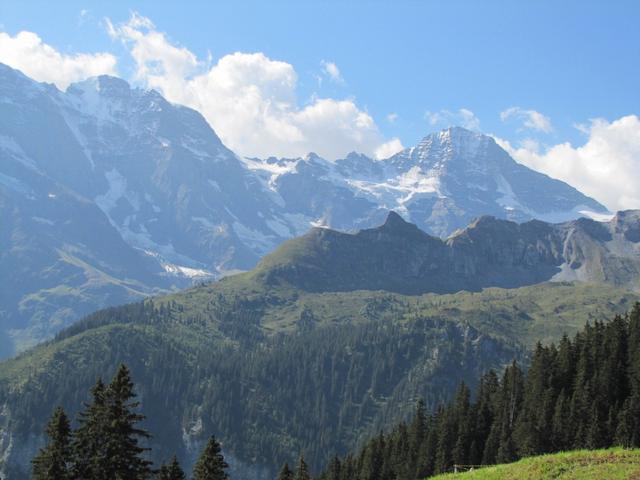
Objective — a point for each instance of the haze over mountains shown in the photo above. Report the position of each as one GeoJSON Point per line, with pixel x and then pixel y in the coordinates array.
{"type": "Point", "coordinates": [109, 193]}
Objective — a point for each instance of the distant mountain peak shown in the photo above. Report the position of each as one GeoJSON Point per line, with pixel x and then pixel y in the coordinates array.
{"type": "Point", "coordinates": [396, 222]}
{"type": "Point", "coordinates": [490, 252]}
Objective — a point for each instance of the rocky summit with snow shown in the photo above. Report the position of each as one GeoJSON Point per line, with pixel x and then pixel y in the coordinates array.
{"type": "Point", "coordinates": [109, 193]}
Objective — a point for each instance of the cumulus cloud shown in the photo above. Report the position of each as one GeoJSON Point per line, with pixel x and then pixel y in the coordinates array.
{"type": "Point", "coordinates": [248, 98]}
{"type": "Point", "coordinates": [530, 119]}
{"type": "Point", "coordinates": [28, 53]}
{"type": "Point", "coordinates": [446, 118]}
{"type": "Point", "coordinates": [331, 70]}
{"type": "Point", "coordinates": [392, 117]}
{"type": "Point", "coordinates": [388, 149]}
{"type": "Point", "coordinates": [606, 167]}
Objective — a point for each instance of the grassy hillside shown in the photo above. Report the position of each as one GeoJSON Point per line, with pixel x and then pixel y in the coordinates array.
{"type": "Point", "coordinates": [611, 464]}
{"type": "Point", "coordinates": [524, 315]}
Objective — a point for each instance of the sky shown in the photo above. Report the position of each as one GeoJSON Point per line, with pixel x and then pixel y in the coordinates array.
{"type": "Point", "coordinates": [556, 83]}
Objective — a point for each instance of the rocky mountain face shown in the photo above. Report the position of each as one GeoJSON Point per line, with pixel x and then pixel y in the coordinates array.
{"type": "Point", "coordinates": [490, 252]}
{"type": "Point", "coordinates": [109, 193]}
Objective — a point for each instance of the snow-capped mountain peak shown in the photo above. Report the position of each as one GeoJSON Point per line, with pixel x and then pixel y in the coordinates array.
{"type": "Point", "coordinates": [114, 186]}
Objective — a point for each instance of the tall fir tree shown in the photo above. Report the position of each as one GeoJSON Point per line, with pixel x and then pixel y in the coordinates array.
{"type": "Point", "coordinates": [123, 450]}
{"type": "Point", "coordinates": [88, 446]}
{"type": "Point", "coordinates": [53, 462]}
{"type": "Point", "coordinates": [211, 464]}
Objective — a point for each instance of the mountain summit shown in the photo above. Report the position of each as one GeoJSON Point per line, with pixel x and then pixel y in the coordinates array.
{"type": "Point", "coordinates": [109, 193]}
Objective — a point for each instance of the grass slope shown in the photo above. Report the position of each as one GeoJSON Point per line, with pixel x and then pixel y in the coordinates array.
{"type": "Point", "coordinates": [611, 464]}
{"type": "Point", "coordinates": [525, 315]}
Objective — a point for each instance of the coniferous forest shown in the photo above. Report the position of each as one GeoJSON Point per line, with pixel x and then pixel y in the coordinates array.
{"type": "Point", "coordinates": [581, 393]}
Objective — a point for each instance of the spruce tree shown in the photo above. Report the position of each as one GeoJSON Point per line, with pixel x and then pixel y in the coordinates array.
{"type": "Point", "coordinates": [464, 425]}
{"type": "Point", "coordinates": [53, 461]}
{"type": "Point", "coordinates": [286, 473]}
{"type": "Point", "coordinates": [211, 464]}
{"type": "Point", "coordinates": [171, 471]}
{"type": "Point", "coordinates": [88, 445]}
{"type": "Point", "coordinates": [123, 451]}
{"type": "Point", "coordinates": [302, 473]}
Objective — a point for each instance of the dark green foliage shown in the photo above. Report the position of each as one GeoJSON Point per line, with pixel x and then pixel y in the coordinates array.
{"type": "Point", "coordinates": [105, 444]}
{"type": "Point", "coordinates": [211, 464]}
{"type": "Point", "coordinates": [89, 458]}
{"type": "Point", "coordinates": [171, 471]}
{"type": "Point", "coordinates": [302, 472]}
{"type": "Point", "coordinates": [286, 473]}
{"type": "Point", "coordinates": [583, 393]}
{"type": "Point", "coordinates": [53, 462]}
{"type": "Point", "coordinates": [122, 441]}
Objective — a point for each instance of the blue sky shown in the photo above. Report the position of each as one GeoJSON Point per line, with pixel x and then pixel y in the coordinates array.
{"type": "Point", "coordinates": [411, 66]}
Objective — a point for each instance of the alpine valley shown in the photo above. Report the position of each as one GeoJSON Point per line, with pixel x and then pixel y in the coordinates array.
{"type": "Point", "coordinates": [331, 338]}
{"type": "Point", "coordinates": [109, 194]}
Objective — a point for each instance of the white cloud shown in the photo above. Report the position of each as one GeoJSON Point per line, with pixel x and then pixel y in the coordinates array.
{"type": "Point", "coordinates": [606, 167]}
{"type": "Point", "coordinates": [531, 119]}
{"type": "Point", "coordinates": [28, 53]}
{"type": "Point", "coordinates": [332, 71]}
{"type": "Point", "coordinates": [446, 118]}
{"type": "Point", "coordinates": [248, 98]}
{"type": "Point", "coordinates": [389, 148]}
{"type": "Point", "coordinates": [392, 117]}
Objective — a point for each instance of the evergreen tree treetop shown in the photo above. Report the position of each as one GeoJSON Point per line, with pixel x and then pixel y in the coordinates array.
{"type": "Point", "coordinates": [211, 464]}
{"type": "Point", "coordinates": [286, 473]}
{"type": "Point", "coordinates": [302, 473]}
{"type": "Point", "coordinates": [54, 460]}
{"type": "Point", "coordinates": [171, 471]}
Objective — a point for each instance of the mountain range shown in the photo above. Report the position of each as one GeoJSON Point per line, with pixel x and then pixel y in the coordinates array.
{"type": "Point", "coordinates": [399, 257]}
{"type": "Point", "coordinates": [110, 193]}
{"type": "Point", "coordinates": [330, 338]}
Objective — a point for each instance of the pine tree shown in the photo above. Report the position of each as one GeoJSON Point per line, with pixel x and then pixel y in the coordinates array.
{"type": "Point", "coordinates": [88, 452]}
{"type": "Point", "coordinates": [302, 473]}
{"type": "Point", "coordinates": [53, 461]}
{"type": "Point", "coordinates": [171, 471]}
{"type": "Point", "coordinates": [484, 416]}
{"type": "Point", "coordinates": [508, 405]}
{"type": "Point", "coordinates": [286, 473]}
{"type": "Point", "coordinates": [464, 425]}
{"type": "Point", "coordinates": [123, 451]}
{"type": "Point", "coordinates": [211, 464]}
